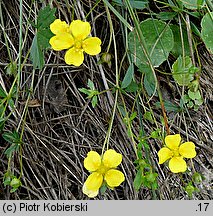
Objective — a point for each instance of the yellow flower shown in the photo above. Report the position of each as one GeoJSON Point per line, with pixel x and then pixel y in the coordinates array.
{"type": "Point", "coordinates": [75, 38]}
{"type": "Point", "coordinates": [176, 152]}
{"type": "Point", "coordinates": [103, 169]}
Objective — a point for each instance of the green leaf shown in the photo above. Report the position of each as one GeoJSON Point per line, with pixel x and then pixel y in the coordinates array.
{"type": "Point", "coordinates": [36, 54]}
{"type": "Point", "coordinates": [169, 106]}
{"type": "Point", "coordinates": [13, 148]}
{"type": "Point", "coordinates": [132, 87]}
{"type": "Point", "coordinates": [11, 69]}
{"type": "Point", "coordinates": [7, 178]}
{"type": "Point", "coordinates": [158, 41]}
{"type": "Point", "coordinates": [183, 71]}
{"type": "Point", "coordinates": [11, 137]}
{"type": "Point", "coordinates": [138, 180]}
{"type": "Point", "coordinates": [207, 30]}
{"type": "Point", "coordinates": [2, 122]}
{"type": "Point", "coordinates": [178, 48]}
{"type": "Point", "coordinates": [94, 101]}
{"type": "Point", "coordinates": [192, 4]}
{"type": "Point", "coordinates": [2, 93]}
{"type": "Point", "coordinates": [41, 40]}
{"type": "Point", "coordinates": [149, 79]}
{"type": "Point", "coordinates": [85, 91]}
{"type": "Point", "coordinates": [90, 84]}
{"type": "Point", "coordinates": [43, 37]}
{"type": "Point", "coordinates": [134, 3]}
{"type": "Point", "coordinates": [148, 116]}
{"type": "Point", "coordinates": [166, 15]}
{"type": "Point", "coordinates": [194, 95]}
{"type": "Point", "coordinates": [45, 17]}
{"type": "Point", "coordinates": [128, 76]}
{"type": "Point", "coordinates": [103, 189]}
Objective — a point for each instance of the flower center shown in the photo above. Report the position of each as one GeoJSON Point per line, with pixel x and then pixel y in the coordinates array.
{"type": "Point", "coordinates": [176, 152]}
{"type": "Point", "coordinates": [102, 169]}
{"type": "Point", "coordinates": [78, 44]}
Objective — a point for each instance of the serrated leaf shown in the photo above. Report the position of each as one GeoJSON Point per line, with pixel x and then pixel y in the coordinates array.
{"type": "Point", "coordinates": [45, 17]}
{"type": "Point", "coordinates": [183, 70]}
{"type": "Point", "coordinates": [158, 43]}
{"type": "Point", "coordinates": [44, 36]}
{"type": "Point", "coordinates": [207, 30]}
{"type": "Point", "coordinates": [36, 54]}
{"type": "Point", "coordinates": [128, 76]}
{"type": "Point", "coordinates": [85, 91]}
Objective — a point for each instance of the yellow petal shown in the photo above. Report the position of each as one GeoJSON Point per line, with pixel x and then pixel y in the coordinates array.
{"type": "Point", "coordinates": [92, 45]}
{"type": "Point", "coordinates": [114, 178]}
{"type": "Point", "coordinates": [164, 154]}
{"type": "Point", "coordinates": [79, 29]}
{"type": "Point", "coordinates": [187, 150]}
{"type": "Point", "coordinates": [177, 164]}
{"type": "Point", "coordinates": [59, 26]}
{"type": "Point", "coordinates": [111, 158]}
{"type": "Point", "coordinates": [74, 57]}
{"type": "Point", "coordinates": [94, 181]}
{"type": "Point", "coordinates": [61, 41]}
{"type": "Point", "coordinates": [173, 141]}
{"type": "Point", "coordinates": [89, 193]}
{"type": "Point", "coordinates": [93, 161]}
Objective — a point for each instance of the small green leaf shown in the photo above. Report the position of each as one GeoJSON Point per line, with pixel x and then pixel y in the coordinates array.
{"type": "Point", "coordinates": [90, 84]}
{"type": "Point", "coordinates": [166, 15]}
{"type": "Point", "coordinates": [7, 178]}
{"type": "Point", "coordinates": [11, 68]}
{"type": "Point", "coordinates": [133, 116]}
{"type": "Point", "coordinates": [194, 95]}
{"type": "Point", "coordinates": [13, 148]}
{"type": "Point", "coordinates": [103, 189]}
{"type": "Point", "coordinates": [2, 93]}
{"type": "Point", "coordinates": [138, 180]}
{"type": "Point", "coordinates": [148, 116]}
{"type": "Point", "coordinates": [183, 71]}
{"type": "Point", "coordinates": [207, 30]}
{"type": "Point", "coordinates": [94, 101]}
{"type": "Point", "coordinates": [36, 54]}
{"type": "Point", "coordinates": [11, 137]}
{"type": "Point", "coordinates": [128, 76]}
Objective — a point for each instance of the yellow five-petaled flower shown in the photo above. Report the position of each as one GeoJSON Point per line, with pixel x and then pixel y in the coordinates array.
{"type": "Point", "coordinates": [176, 152]}
{"type": "Point", "coordinates": [74, 37]}
{"type": "Point", "coordinates": [103, 170]}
